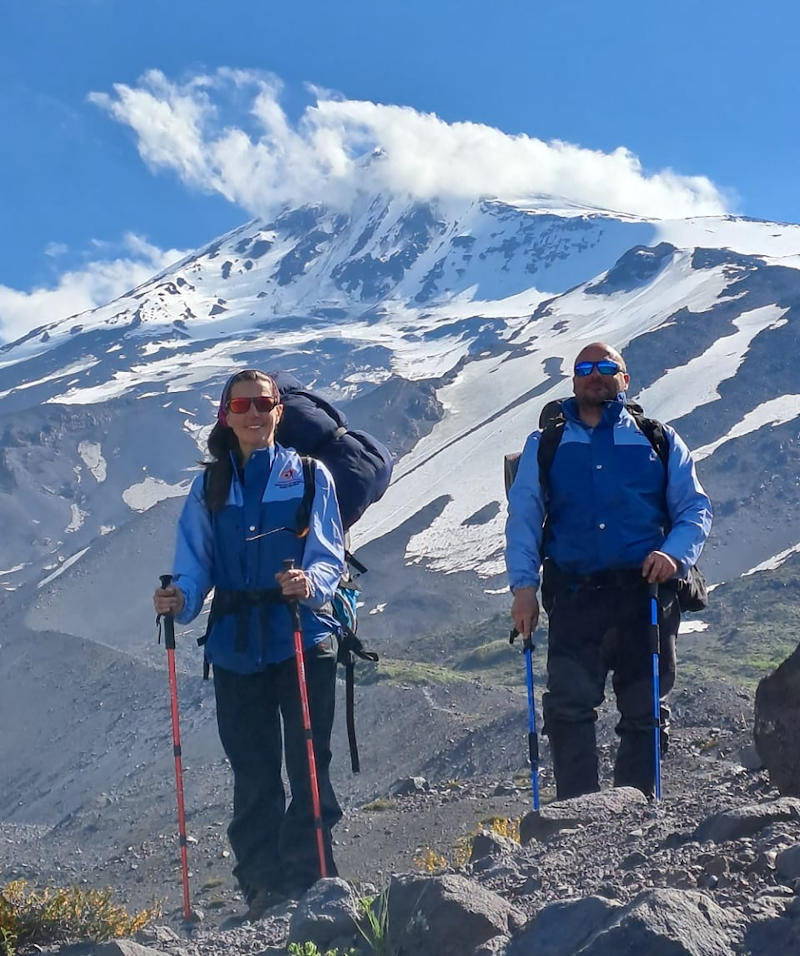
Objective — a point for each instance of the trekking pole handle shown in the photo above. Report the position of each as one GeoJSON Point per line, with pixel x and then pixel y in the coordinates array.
{"type": "Point", "coordinates": [169, 623]}
{"type": "Point", "coordinates": [289, 565]}
{"type": "Point", "coordinates": [527, 643]}
{"type": "Point", "coordinates": [654, 630]}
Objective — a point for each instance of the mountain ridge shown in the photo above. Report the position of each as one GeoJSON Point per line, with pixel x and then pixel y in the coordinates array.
{"type": "Point", "coordinates": [705, 330]}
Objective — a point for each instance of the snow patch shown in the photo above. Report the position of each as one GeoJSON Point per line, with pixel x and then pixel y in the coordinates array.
{"type": "Point", "coordinates": [774, 562]}
{"type": "Point", "coordinates": [17, 567]}
{"type": "Point", "coordinates": [145, 494]}
{"type": "Point", "coordinates": [686, 387]}
{"type": "Point", "coordinates": [692, 627]}
{"type": "Point", "coordinates": [63, 567]}
{"type": "Point", "coordinates": [776, 411]}
{"type": "Point", "coordinates": [92, 454]}
{"type": "Point", "coordinates": [76, 520]}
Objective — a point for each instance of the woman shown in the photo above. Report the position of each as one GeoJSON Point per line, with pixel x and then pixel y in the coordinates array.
{"type": "Point", "coordinates": [238, 527]}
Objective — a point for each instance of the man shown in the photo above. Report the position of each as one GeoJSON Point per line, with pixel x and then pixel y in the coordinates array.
{"type": "Point", "coordinates": [617, 519]}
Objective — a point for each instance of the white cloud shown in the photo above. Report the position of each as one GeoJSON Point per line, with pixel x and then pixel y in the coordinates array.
{"type": "Point", "coordinates": [228, 133]}
{"type": "Point", "coordinates": [94, 284]}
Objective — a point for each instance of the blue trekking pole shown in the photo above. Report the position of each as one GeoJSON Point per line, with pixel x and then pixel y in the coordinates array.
{"type": "Point", "coordinates": [655, 642]}
{"type": "Point", "coordinates": [533, 739]}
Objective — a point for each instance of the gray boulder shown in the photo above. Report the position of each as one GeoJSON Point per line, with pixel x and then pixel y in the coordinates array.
{"type": "Point", "coordinates": [787, 863]}
{"type": "Point", "coordinates": [487, 844]}
{"type": "Point", "coordinates": [326, 912]}
{"type": "Point", "coordinates": [668, 923]}
{"type": "Point", "coordinates": [563, 927]}
{"type": "Point", "coordinates": [444, 915]}
{"type": "Point", "coordinates": [124, 947]}
{"type": "Point", "coordinates": [746, 821]}
{"type": "Point", "coordinates": [408, 786]}
{"type": "Point", "coordinates": [658, 922]}
{"type": "Point", "coordinates": [569, 814]}
{"type": "Point", "coordinates": [774, 937]}
{"type": "Point", "coordinates": [777, 725]}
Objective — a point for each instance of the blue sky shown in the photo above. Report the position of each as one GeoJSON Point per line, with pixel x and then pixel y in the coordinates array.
{"type": "Point", "coordinates": [108, 171]}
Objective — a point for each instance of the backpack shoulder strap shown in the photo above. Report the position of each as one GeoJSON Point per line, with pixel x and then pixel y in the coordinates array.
{"type": "Point", "coordinates": [510, 468]}
{"type": "Point", "coordinates": [653, 431]}
{"type": "Point", "coordinates": [549, 441]}
{"type": "Point", "coordinates": [553, 431]}
{"type": "Point", "coordinates": [309, 488]}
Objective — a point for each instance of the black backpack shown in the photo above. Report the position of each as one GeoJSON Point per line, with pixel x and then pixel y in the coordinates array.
{"type": "Point", "coordinates": [692, 591]}
{"type": "Point", "coordinates": [360, 464]}
{"type": "Point", "coordinates": [343, 608]}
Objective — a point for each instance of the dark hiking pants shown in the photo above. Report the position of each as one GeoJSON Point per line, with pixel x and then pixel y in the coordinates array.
{"type": "Point", "coordinates": [276, 846]}
{"type": "Point", "coordinates": [591, 633]}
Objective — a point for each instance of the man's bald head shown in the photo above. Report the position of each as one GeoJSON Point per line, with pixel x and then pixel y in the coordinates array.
{"type": "Point", "coordinates": [594, 389]}
{"type": "Point", "coordinates": [598, 350]}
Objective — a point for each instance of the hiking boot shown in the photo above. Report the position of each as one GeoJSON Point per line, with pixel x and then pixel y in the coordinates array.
{"type": "Point", "coordinates": [259, 901]}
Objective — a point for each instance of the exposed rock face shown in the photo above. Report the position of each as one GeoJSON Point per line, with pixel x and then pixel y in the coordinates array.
{"type": "Point", "coordinates": [743, 822]}
{"type": "Point", "coordinates": [569, 814]}
{"type": "Point", "coordinates": [661, 921]}
{"type": "Point", "coordinates": [777, 725]}
{"type": "Point", "coordinates": [444, 915]}
{"type": "Point", "coordinates": [327, 911]}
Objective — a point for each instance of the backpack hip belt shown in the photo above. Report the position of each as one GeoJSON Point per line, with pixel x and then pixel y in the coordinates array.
{"type": "Point", "coordinates": [554, 579]}
{"type": "Point", "coordinates": [230, 601]}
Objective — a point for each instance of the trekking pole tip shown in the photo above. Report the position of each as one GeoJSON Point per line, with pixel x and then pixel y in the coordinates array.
{"type": "Point", "coordinates": [190, 922]}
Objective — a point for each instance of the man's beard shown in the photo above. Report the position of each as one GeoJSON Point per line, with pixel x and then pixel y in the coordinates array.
{"type": "Point", "coordinates": [596, 400]}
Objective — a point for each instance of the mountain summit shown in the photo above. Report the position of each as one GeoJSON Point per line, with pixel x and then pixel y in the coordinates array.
{"type": "Point", "coordinates": [443, 327]}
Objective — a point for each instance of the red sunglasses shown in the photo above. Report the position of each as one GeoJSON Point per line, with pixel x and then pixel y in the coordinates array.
{"type": "Point", "coordinates": [263, 403]}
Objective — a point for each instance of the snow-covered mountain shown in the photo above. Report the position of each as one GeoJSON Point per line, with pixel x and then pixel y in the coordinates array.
{"type": "Point", "coordinates": [443, 327]}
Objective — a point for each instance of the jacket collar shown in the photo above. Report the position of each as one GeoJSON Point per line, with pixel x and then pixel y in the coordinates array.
{"type": "Point", "coordinates": [611, 412]}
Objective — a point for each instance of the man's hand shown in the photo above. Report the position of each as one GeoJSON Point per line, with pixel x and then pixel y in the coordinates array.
{"type": "Point", "coordinates": [525, 610]}
{"type": "Point", "coordinates": [659, 567]}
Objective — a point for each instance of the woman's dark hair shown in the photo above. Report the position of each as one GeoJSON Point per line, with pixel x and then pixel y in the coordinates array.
{"type": "Point", "coordinates": [222, 441]}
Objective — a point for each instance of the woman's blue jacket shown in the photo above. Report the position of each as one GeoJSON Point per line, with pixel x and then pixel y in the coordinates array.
{"type": "Point", "coordinates": [242, 547]}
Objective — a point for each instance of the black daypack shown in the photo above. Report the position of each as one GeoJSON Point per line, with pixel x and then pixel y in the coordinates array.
{"type": "Point", "coordinates": [360, 464]}
{"type": "Point", "coordinates": [692, 591]}
{"type": "Point", "coordinates": [343, 608]}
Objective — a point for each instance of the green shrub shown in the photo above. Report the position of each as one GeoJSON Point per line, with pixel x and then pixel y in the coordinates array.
{"type": "Point", "coordinates": [311, 949]}
{"type": "Point", "coordinates": [63, 914]}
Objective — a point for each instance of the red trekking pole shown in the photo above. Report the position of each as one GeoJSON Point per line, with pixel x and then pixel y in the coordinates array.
{"type": "Point", "coordinates": [288, 565]}
{"type": "Point", "coordinates": [169, 644]}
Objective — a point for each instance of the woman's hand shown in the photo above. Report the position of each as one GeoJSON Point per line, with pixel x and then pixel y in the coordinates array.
{"type": "Point", "coordinates": [294, 584]}
{"type": "Point", "coordinates": [168, 600]}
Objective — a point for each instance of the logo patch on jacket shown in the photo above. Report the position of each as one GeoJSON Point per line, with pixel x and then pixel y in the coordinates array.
{"type": "Point", "coordinates": [290, 476]}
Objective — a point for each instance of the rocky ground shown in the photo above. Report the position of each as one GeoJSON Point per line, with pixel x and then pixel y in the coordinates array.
{"type": "Point", "coordinates": [605, 850]}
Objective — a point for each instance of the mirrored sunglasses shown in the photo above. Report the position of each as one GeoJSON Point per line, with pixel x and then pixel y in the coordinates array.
{"type": "Point", "coordinates": [604, 367]}
{"type": "Point", "coordinates": [263, 403]}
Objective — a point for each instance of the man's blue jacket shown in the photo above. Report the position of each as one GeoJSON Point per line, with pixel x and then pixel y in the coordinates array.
{"type": "Point", "coordinates": [242, 546]}
{"type": "Point", "coordinates": [610, 501]}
